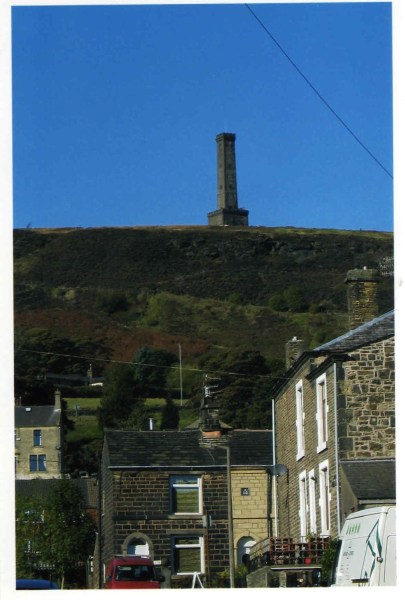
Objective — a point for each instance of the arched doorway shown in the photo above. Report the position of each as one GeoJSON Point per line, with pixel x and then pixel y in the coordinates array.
{"type": "Point", "coordinates": [138, 546]}
{"type": "Point", "coordinates": [243, 549]}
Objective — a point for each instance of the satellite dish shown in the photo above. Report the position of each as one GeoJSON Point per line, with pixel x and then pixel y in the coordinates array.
{"type": "Point", "coordinates": [278, 470]}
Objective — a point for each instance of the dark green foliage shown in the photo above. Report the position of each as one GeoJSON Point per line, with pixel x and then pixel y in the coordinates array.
{"type": "Point", "coordinates": [244, 380]}
{"type": "Point", "coordinates": [69, 532]}
{"type": "Point", "coordinates": [62, 539]}
{"type": "Point", "coordinates": [170, 415]}
{"type": "Point", "coordinates": [294, 299]}
{"type": "Point", "coordinates": [235, 298]}
{"type": "Point", "coordinates": [151, 370]}
{"type": "Point", "coordinates": [327, 558]}
{"type": "Point", "coordinates": [111, 301]}
{"type": "Point", "coordinates": [137, 419]}
{"type": "Point", "coordinates": [39, 351]}
{"type": "Point", "coordinates": [277, 302]}
{"type": "Point", "coordinates": [29, 535]}
{"type": "Point", "coordinates": [120, 395]}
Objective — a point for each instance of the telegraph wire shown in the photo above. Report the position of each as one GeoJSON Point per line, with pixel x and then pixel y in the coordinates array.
{"type": "Point", "coordinates": [130, 363]}
{"type": "Point", "coordinates": [317, 93]}
{"type": "Point", "coordinates": [203, 371]}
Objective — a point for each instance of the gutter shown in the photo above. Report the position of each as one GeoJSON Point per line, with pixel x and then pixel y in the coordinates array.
{"type": "Point", "coordinates": [169, 467]}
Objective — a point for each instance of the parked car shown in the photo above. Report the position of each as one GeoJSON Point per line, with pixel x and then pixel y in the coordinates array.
{"type": "Point", "coordinates": [35, 584]}
{"type": "Point", "coordinates": [366, 550]}
{"type": "Point", "coordinates": [132, 572]}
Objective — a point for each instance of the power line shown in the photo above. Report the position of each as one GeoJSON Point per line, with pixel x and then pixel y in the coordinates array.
{"type": "Point", "coordinates": [317, 93]}
{"type": "Point", "coordinates": [122, 362]}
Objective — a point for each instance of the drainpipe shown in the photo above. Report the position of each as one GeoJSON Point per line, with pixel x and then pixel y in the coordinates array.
{"type": "Point", "coordinates": [273, 412]}
{"type": "Point", "coordinates": [230, 519]}
{"type": "Point", "coordinates": [336, 446]}
{"type": "Point", "coordinates": [99, 523]}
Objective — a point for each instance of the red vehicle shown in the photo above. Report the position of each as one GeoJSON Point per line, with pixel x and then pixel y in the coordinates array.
{"type": "Point", "coordinates": [132, 573]}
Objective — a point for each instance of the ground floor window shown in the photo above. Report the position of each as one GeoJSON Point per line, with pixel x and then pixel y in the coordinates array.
{"type": "Point", "coordinates": [38, 462]}
{"type": "Point", "coordinates": [187, 554]}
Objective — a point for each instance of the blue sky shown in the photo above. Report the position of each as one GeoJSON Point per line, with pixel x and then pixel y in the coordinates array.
{"type": "Point", "coordinates": [116, 110]}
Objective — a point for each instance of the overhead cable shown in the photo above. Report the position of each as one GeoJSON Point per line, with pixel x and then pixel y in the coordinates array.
{"type": "Point", "coordinates": [316, 92]}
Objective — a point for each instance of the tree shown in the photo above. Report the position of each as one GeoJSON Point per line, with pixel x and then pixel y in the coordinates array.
{"type": "Point", "coordinates": [238, 374]}
{"type": "Point", "coordinates": [277, 302]}
{"type": "Point", "coordinates": [29, 535]}
{"type": "Point", "coordinates": [69, 532]}
{"type": "Point", "coordinates": [151, 370]}
{"type": "Point", "coordinates": [294, 299]}
{"type": "Point", "coordinates": [138, 418]}
{"type": "Point", "coordinates": [170, 415]}
{"type": "Point", "coordinates": [120, 395]}
{"type": "Point", "coordinates": [60, 532]}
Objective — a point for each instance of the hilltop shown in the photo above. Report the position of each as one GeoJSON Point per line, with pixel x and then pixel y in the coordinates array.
{"type": "Point", "coordinates": [206, 287]}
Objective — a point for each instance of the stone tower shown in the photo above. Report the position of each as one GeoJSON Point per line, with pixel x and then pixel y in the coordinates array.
{"type": "Point", "coordinates": [228, 212]}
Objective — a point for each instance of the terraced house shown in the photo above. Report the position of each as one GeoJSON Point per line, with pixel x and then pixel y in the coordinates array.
{"type": "Point", "coordinates": [38, 441]}
{"type": "Point", "coordinates": [335, 428]}
{"type": "Point", "coordinates": [165, 495]}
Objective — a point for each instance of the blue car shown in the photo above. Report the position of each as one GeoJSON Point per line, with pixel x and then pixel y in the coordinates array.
{"type": "Point", "coordinates": [36, 584]}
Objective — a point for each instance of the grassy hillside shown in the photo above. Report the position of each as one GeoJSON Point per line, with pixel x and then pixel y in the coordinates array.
{"type": "Point", "coordinates": [204, 287]}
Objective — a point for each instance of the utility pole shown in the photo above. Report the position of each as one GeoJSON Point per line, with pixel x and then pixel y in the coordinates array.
{"type": "Point", "coordinates": [181, 379]}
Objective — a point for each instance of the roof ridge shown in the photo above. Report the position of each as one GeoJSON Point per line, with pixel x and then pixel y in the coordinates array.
{"type": "Point", "coordinates": [353, 332]}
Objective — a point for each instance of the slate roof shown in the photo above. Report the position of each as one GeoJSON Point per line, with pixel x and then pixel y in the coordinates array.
{"type": "Point", "coordinates": [371, 479]}
{"type": "Point", "coordinates": [378, 329]}
{"type": "Point", "coordinates": [42, 488]}
{"type": "Point", "coordinates": [36, 416]}
{"type": "Point", "coordinates": [154, 449]}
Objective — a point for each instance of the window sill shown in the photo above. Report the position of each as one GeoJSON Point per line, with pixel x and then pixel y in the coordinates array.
{"type": "Point", "coordinates": [300, 455]}
{"type": "Point", "coordinates": [185, 516]}
{"type": "Point", "coordinates": [321, 447]}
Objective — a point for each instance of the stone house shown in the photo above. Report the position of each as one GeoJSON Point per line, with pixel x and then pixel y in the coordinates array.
{"type": "Point", "coordinates": [335, 423]}
{"type": "Point", "coordinates": [38, 441]}
{"type": "Point", "coordinates": [165, 495]}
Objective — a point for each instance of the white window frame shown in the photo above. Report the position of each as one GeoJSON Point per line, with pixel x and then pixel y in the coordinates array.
{"type": "Point", "coordinates": [322, 410]}
{"type": "Point", "coordinates": [197, 485]}
{"type": "Point", "coordinates": [299, 423]}
{"type": "Point", "coordinates": [312, 500]}
{"type": "Point", "coordinates": [324, 497]}
{"type": "Point", "coordinates": [303, 509]}
{"type": "Point", "coordinates": [200, 545]}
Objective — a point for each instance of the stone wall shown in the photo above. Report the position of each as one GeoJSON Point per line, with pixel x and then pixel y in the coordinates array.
{"type": "Point", "coordinates": [137, 504]}
{"type": "Point", "coordinates": [250, 510]}
{"type": "Point", "coordinates": [367, 403]}
{"type": "Point", "coordinates": [24, 447]}
{"type": "Point", "coordinates": [286, 452]}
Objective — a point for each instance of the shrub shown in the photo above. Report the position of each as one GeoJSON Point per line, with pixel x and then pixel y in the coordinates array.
{"type": "Point", "coordinates": [277, 302]}
{"type": "Point", "coordinates": [111, 301]}
{"type": "Point", "coordinates": [235, 298]}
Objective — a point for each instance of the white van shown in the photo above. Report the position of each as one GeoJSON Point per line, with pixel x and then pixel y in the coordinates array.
{"type": "Point", "coordinates": [366, 550]}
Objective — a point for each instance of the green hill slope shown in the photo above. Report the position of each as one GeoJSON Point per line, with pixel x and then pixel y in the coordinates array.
{"type": "Point", "coordinates": [204, 287]}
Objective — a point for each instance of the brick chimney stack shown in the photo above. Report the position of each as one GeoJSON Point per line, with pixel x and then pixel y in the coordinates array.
{"type": "Point", "coordinates": [293, 350]}
{"type": "Point", "coordinates": [362, 296]}
{"type": "Point", "coordinates": [58, 401]}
